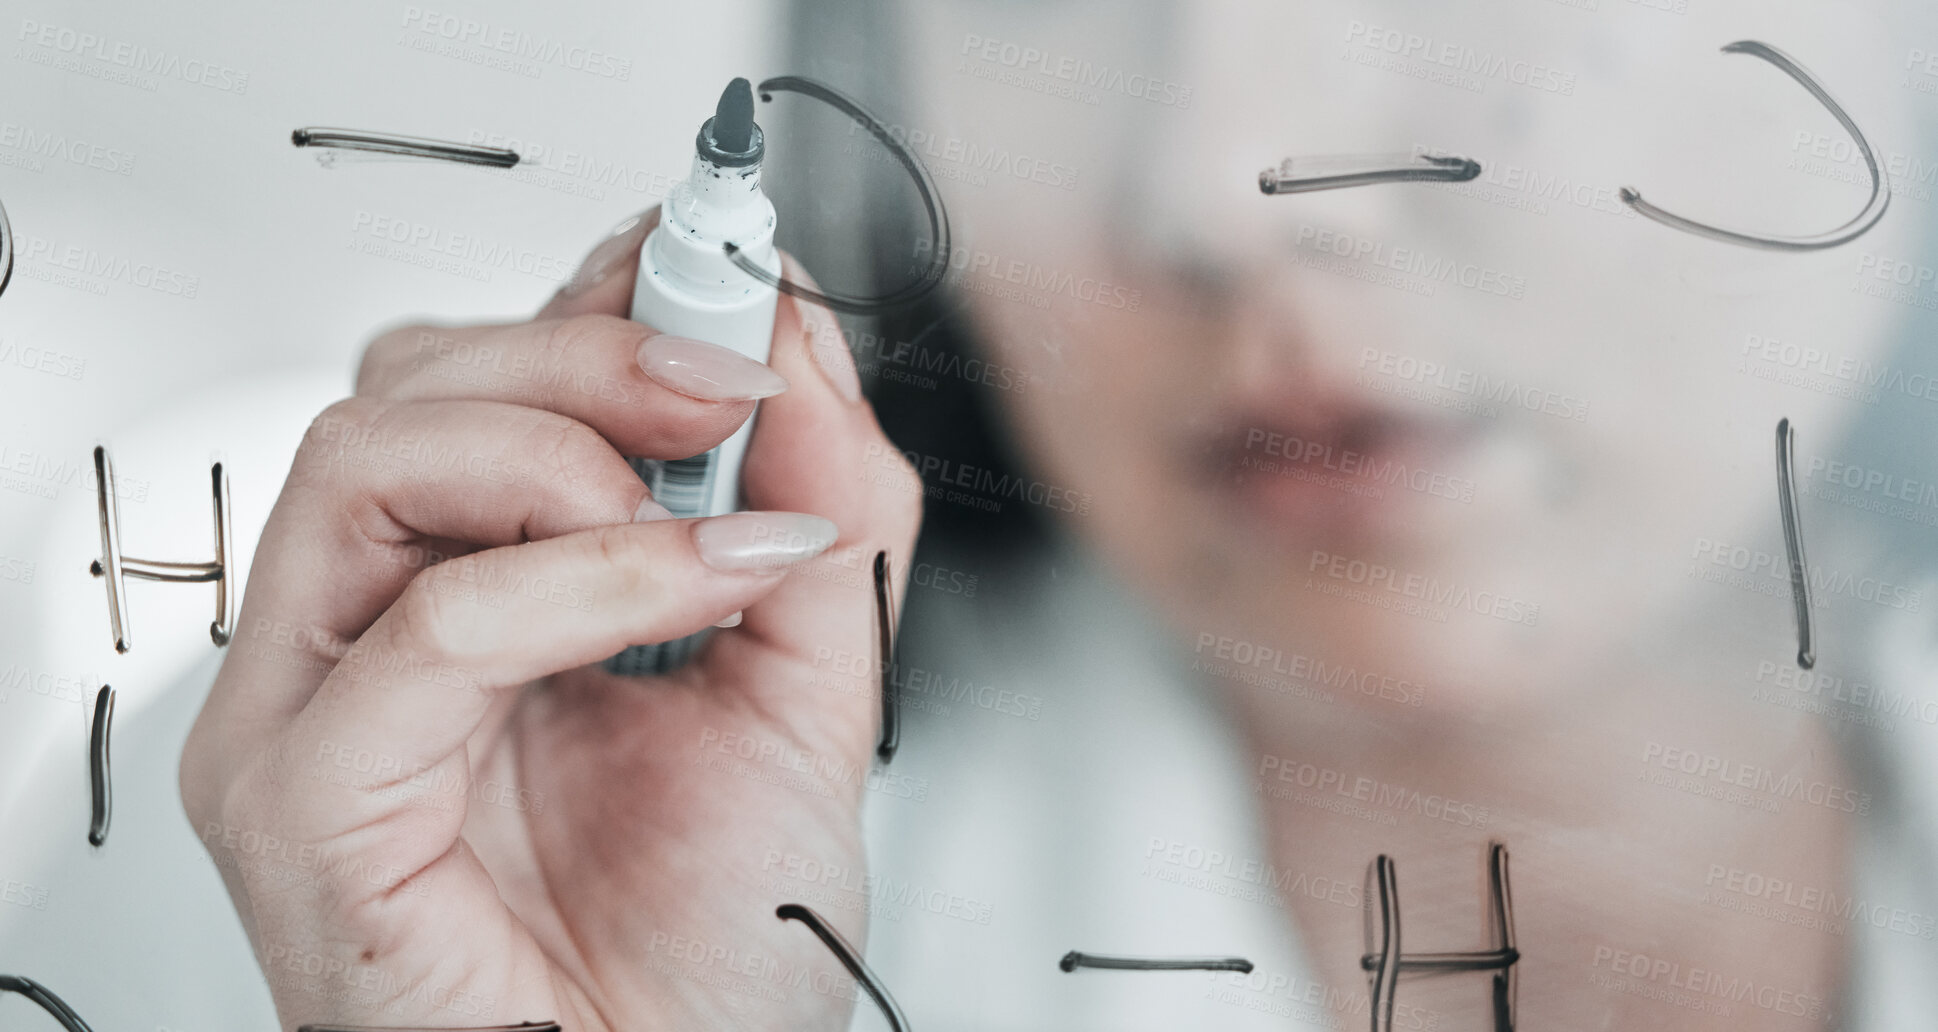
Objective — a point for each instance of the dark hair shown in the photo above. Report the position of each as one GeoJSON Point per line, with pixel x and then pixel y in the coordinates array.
{"type": "Point", "coordinates": [912, 359]}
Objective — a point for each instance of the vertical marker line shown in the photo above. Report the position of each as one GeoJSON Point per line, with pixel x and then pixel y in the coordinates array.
{"type": "Point", "coordinates": [1793, 541]}
{"type": "Point", "coordinates": [98, 771]}
{"type": "Point", "coordinates": [891, 739]}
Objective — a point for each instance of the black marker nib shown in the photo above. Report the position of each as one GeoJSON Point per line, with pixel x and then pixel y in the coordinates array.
{"type": "Point", "coordinates": [730, 139]}
{"type": "Point", "coordinates": [733, 118]}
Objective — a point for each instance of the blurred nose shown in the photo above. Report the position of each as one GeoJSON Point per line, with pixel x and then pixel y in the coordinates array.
{"type": "Point", "coordinates": [1291, 337]}
{"type": "Point", "coordinates": [1292, 311]}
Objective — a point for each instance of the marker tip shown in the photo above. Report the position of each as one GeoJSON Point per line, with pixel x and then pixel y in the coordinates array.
{"type": "Point", "coordinates": [733, 118]}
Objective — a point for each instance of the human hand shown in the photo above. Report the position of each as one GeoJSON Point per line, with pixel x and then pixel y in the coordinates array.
{"type": "Point", "coordinates": [429, 803]}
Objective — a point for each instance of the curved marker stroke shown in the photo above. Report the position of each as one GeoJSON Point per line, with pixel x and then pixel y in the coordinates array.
{"type": "Point", "coordinates": [1786, 441]}
{"type": "Point", "coordinates": [45, 997]}
{"type": "Point", "coordinates": [404, 146]}
{"type": "Point", "coordinates": [1076, 959]}
{"type": "Point", "coordinates": [884, 677]}
{"type": "Point", "coordinates": [6, 250]}
{"type": "Point", "coordinates": [931, 200]}
{"type": "Point", "coordinates": [849, 959]}
{"type": "Point", "coordinates": [97, 761]}
{"type": "Point", "coordinates": [1849, 231]}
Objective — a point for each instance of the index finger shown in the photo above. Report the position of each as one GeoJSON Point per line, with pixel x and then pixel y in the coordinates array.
{"type": "Point", "coordinates": [604, 283]}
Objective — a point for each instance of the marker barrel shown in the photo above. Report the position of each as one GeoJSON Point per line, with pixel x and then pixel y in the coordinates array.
{"type": "Point", "coordinates": [688, 287]}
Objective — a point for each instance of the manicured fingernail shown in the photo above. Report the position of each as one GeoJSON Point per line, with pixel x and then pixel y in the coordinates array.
{"type": "Point", "coordinates": [731, 619]}
{"type": "Point", "coordinates": [650, 511]}
{"type": "Point", "coordinates": [705, 371]}
{"type": "Point", "coordinates": [624, 239]}
{"type": "Point", "coordinates": [761, 540]}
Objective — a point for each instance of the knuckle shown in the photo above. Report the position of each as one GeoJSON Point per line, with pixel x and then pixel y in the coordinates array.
{"type": "Point", "coordinates": [350, 411]}
{"type": "Point", "coordinates": [238, 809]}
{"type": "Point", "coordinates": [626, 556]}
{"type": "Point", "coordinates": [566, 450]}
{"type": "Point", "coordinates": [337, 428]}
{"type": "Point", "coordinates": [615, 548]}
{"type": "Point", "coordinates": [589, 331]}
{"type": "Point", "coordinates": [431, 622]}
{"type": "Point", "coordinates": [387, 359]}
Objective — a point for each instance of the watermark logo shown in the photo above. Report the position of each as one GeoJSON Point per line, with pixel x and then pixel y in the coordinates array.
{"type": "Point", "coordinates": [1297, 674]}
{"type": "Point", "coordinates": [25, 148]}
{"type": "Point", "coordinates": [1743, 784]}
{"type": "Point", "coordinates": [1387, 587]}
{"type": "Point", "coordinates": [119, 61]}
{"type": "Point", "coordinates": [1704, 990]}
{"type": "Point", "coordinates": [977, 487]}
{"type": "Point", "coordinates": [504, 47]}
{"type": "Point", "coordinates": [1064, 76]}
{"type": "Point", "coordinates": [94, 271]}
{"type": "Point", "coordinates": [1445, 62]}
{"type": "Point", "coordinates": [1361, 797]}
{"type": "Point", "coordinates": [1409, 269]}
{"type": "Point", "coordinates": [1768, 573]}
{"type": "Point", "coordinates": [569, 170]}
{"type": "Point", "coordinates": [1250, 879]}
{"type": "Point", "coordinates": [1023, 281]}
{"type": "Point", "coordinates": [1905, 282]}
{"type": "Point", "coordinates": [467, 255]}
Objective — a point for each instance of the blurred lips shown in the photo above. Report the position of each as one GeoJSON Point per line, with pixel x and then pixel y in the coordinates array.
{"type": "Point", "coordinates": [1356, 470]}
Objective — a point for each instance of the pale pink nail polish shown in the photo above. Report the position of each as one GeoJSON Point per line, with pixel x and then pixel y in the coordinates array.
{"type": "Point", "coordinates": [705, 371]}
{"type": "Point", "coordinates": [650, 511]}
{"type": "Point", "coordinates": [731, 619]}
{"type": "Point", "coordinates": [770, 541]}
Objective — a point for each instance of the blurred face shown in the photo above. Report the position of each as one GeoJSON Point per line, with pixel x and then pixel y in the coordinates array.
{"type": "Point", "coordinates": [1470, 437]}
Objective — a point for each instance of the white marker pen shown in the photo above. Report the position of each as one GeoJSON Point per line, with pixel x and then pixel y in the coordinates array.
{"type": "Point", "coordinates": [689, 287]}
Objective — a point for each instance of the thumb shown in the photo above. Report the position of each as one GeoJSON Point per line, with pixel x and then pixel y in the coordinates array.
{"type": "Point", "coordinates": [818, 449]}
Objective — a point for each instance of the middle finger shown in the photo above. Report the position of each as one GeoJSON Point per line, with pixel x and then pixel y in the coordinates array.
{"type": "Point", "coordinates": [375, 491]}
